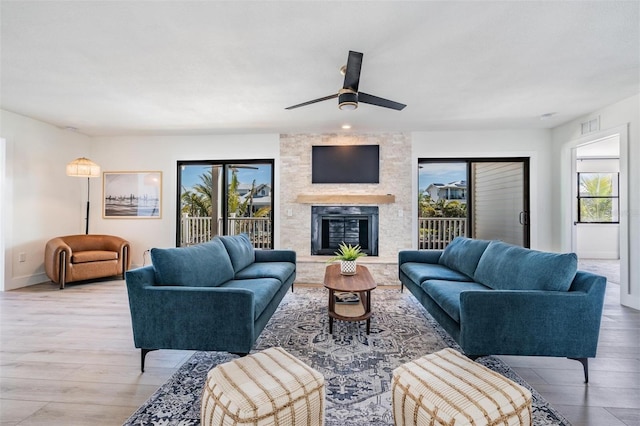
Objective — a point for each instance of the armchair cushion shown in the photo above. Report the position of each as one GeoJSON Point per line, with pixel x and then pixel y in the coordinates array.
{"type": "Point", "coordinates": [202, 265]}
{"type": "Point", "coordinates": [240, 250]}
{"type": "Point", "coordinates": [508, 267]}
{"type": "Point", "coordinates": [93, 256]}
{"type": "Point", "coordinates": [463, 254]}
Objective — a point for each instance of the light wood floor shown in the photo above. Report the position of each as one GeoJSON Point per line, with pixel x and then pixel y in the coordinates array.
{"type": "Point", "coordinates": [67, 358]}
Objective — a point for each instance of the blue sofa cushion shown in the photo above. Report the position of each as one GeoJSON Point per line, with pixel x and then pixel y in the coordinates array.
{"type": "Point", "coordinates": [202, 265]}
{"type": "Point", "coordinates": [462, 254]}
{"type": "Point", "coordinates": [240, 250]}
{"type": "Point", "coordinates": [264, 290]}
{"type": "Point", "coordinates": [508, 267]}
{"type": "Point", "coordinates": [447, 294]}
{"type": "Point", "coordinates": [419, 272]}
{"type": "Point", "coordinates": [278, 270]}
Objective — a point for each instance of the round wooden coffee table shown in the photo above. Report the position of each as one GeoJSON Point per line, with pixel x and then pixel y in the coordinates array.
{"type": "Point", "coordinates": [361, 284]}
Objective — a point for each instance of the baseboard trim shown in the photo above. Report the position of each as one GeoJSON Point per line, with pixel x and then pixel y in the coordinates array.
{"type": "Point", "coordinates": [25, 281]}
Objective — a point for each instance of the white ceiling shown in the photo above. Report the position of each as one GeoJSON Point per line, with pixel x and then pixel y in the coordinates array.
{"type": "Point", "coordinates": [203, 67]}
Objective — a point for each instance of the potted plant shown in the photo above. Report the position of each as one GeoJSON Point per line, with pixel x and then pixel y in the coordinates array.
{"type": "Point", "coordinates": [347, 255]}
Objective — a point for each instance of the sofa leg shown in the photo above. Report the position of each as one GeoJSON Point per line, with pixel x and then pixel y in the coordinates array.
{"type": "Point", "coordinates": [143, 355]}
{"type": "Point", "coordinates": [63, 269]}
{"type": "Point", "coordinates": [585, 367]}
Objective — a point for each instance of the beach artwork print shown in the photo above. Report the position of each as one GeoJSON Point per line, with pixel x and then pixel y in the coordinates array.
{"type": "Point", "coordinates": [131, 195]}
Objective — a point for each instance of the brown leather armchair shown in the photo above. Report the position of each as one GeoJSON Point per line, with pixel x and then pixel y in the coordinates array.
{"type": "Point", "coordinates": [83, 257]}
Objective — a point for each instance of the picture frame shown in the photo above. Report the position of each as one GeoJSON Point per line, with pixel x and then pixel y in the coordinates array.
{"type": "Point", "coordinates": [132, 195]}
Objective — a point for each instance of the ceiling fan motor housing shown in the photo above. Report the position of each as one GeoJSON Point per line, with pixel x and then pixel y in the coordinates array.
{"type": "Point", "coordinates": [347, 99]}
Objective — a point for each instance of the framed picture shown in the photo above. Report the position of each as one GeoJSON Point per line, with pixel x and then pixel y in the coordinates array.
{"type": "Point", "coordinates": [132, 195]}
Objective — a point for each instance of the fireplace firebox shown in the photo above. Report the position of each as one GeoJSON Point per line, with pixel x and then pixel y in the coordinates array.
{"type": "Point", "coordinates": [332, 225]}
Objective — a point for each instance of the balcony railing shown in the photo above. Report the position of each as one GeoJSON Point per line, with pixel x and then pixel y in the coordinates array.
{"type": "Point", "coordinates": [196, 230]}
{"type": "Point", "coordinates": [434, 232]}
{"type": "Point", "coordinates": [437, 232]}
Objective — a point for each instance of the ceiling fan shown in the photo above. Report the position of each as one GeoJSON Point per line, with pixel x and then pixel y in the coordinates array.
{"type": "Point", "coordinates": [349, 96]}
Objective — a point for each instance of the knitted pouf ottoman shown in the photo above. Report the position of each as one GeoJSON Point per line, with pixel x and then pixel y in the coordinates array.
{"type": "Point", "coordinates": [271, 387]}
{"type": "Point", "coordinates": [447, 388]}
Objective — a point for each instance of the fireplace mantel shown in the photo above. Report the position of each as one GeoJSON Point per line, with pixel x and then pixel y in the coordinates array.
{"type": "Point", "coordinates": [345, 199]}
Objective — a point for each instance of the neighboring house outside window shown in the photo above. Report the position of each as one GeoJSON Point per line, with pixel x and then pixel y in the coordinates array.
{"type": "Point", "coordinates": [598, 200]}
{"type": "Point", "coordinates": [451, 191]}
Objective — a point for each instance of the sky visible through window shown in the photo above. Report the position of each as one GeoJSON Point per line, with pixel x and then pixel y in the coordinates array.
{"type": "Point", "coordinates": [191, 174]}
{"type": "Point", "coordinates": [440, 173]}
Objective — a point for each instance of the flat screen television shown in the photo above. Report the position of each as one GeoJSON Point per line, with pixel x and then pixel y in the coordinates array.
{"type": "Point", "coordinates": [345, 164]}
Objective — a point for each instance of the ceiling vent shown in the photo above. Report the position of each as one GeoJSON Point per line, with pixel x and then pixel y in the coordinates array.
{"type": "Point", "coordinates": [592, 125]}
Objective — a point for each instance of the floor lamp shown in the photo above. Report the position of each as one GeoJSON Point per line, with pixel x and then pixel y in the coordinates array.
{"type": "Point", "coordinates": [83, 167]}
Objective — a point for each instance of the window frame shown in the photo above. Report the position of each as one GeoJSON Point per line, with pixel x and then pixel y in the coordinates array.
{"type": "Point", "coordinates": [224, 164]}
{"type": "Point", "coordinates": [580, 197]}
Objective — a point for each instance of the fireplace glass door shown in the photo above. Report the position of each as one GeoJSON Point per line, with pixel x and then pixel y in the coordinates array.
{"type": "Point", "coordinates": [334, 225]}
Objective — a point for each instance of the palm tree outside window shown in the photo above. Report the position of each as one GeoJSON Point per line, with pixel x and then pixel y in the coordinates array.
{"type": "Point", "coordinates": [598, 198]}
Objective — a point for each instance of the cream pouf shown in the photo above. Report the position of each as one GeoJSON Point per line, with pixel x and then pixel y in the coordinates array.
{"type": "Point", "coordinates": [447, 388]}
{"type": "Point", "coordinates": [271, 387]}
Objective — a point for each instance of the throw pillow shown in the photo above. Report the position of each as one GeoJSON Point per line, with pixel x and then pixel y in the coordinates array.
{"type": "Point", "coordinates": [202, 265]}
{"type": "Point", "coordinates": [462, 254]}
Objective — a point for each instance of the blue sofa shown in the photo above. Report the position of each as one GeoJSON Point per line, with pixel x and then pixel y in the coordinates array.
{"type": "Point", "coordinates": [216, 296]}
{"type": "Point", "coordinates": [495, 298]}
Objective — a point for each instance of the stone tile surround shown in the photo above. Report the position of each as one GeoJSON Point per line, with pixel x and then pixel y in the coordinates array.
{"type": "Point", "coordinates": [395, 217]}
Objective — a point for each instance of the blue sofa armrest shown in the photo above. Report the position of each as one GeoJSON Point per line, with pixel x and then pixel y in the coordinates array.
{"type": "Point", "coordinates": [544, 323]}
{"type": "Point", "coordinates": [195, 318]}
{"type": "Point", "coordinates": [422, 256]}
{"type": "Point", "coordinates": [275, 256]}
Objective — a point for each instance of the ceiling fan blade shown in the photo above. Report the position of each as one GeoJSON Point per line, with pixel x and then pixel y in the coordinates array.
{"type": "Point", "coordinates": [375, 100]}
{"type": "Point", "coordinates": [352, 73]}
{"type": "Point", "coordinates": [326, 98]}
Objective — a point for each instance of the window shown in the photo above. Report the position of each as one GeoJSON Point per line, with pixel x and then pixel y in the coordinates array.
{"type": "Point", "coordinates": [598, 200]}
{"type": "Point", "coordinates": [225, 198]}
{"type": "Point", "coordinates": [485, 198]}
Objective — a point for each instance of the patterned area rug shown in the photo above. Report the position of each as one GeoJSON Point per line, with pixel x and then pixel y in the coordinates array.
{"type": "Point", "coordinates": [357, 367]}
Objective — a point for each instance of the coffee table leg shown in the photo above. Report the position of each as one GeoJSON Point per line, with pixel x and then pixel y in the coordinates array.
{"type": "Point", "coordinates": [332, 308]}
{"type": "Point", "coordinates": [368, 310]}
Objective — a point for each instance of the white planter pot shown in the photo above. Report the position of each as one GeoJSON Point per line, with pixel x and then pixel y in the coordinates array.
{"type": "Point", "coordinates": [348, 267]}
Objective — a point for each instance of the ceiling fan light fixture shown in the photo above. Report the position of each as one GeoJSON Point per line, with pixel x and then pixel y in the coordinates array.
{"type": "Point", "coordinates": [347, 100]}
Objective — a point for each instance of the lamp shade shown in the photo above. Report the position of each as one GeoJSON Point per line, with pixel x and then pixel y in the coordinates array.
{"type": "Point", "coordinates": [83, 167]}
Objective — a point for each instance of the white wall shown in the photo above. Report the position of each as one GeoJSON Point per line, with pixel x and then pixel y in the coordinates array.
{"type": "Point", "coordinates": [534, 144]}
{"type": "Point", "coordinates": [40, 200]}
{"type": "Point", "coordinates": [161, 153]}
{"type": "Point", "coordinates": [624, 115]}
{"type": "Point", "coordinates": [598, 241]}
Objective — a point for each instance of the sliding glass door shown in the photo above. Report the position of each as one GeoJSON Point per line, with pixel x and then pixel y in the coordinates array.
{"type": "Point", "coordinates": [499, 201]}
{"type": "Point", "coordinates": [478, 198]}
{"type": "Point", "coordinates": [225, 198]}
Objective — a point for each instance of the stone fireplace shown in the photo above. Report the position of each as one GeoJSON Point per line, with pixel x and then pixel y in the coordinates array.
{"type": "Point", "coordinates": [355, 225]}
{"type": "Point", "coordinates": [392, 228]}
